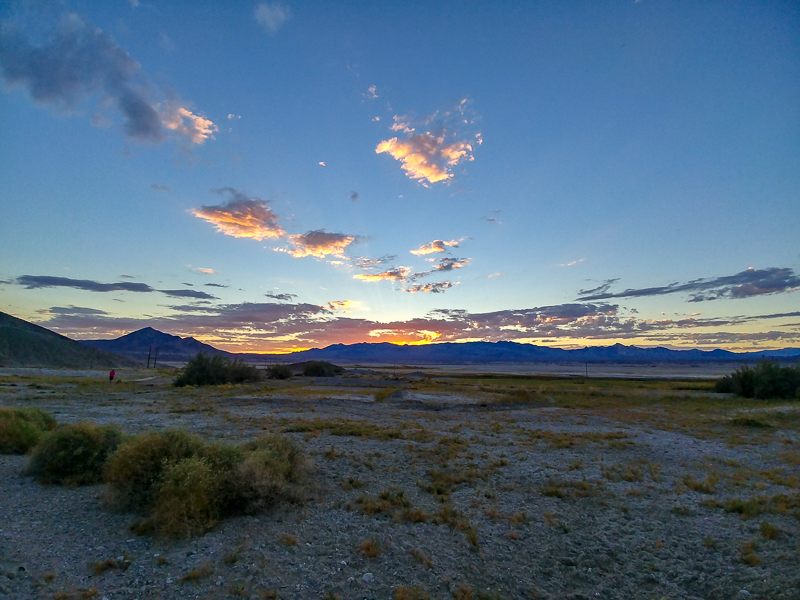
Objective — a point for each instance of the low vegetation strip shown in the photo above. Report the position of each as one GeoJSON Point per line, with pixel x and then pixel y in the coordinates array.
{"type": "Point", "coordinates": [766, 380]}
{"type": "Point", "coordinates": [22, 428]}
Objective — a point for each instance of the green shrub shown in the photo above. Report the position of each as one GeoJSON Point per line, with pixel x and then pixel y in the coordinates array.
{"type": "Point", "coordinates": [766, 380]}
{"type": "Point", "coordinates": [216, 370]}
{"type": "Point", "coordinates": [74, 454]}
{"type": "Point", "coordinates": [320, 368]}
{"type": "Point", "coordinates": [187, 485]}
{"type": "Point", "coordinates": [22, 428]}
{"type": "Point", "coordinates": [279, 372]}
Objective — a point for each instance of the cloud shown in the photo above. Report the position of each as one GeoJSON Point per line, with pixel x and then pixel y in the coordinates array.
{"type": "Point", "coordinates": [196, 128]}
{"type": "Point", "coordinates": [434, 288]}
{"type": "Point", "coordinates": [435, 246]}
{"type": "Point", "coordinates": [233, 116]}
{"type": "Point", "coordinates": [272, 16]}
{"type": "Point", "coordinates": [319, 243]}
{"type": "Point", "coordinates": [371, 93]}
{"type": "Point", "coordinates": [368, 263]}
{"type": "Point", "coordinates": [285, 297]}
{"type": "Point", "coordinates": [204, 271]}
{"type": "Point", "coordinates": [188, 294]}
{"type": "Point", "coordinates": [448, 264]}
{"type": "Point", "coordinates": [353, 196]}
{"type": "Point", "coordinates": [751, 282]}
{"type": "Point", "coordinates": [79, 61]}
{"type": "Point", "coordinates": [599, 290]}
{"type": "Point", "coordinates": [572, 263]}
{"type": "Point", "coordinates": [72, 311]}
{"type": "Point", "coordinates": [322, 163]}
{"type": "Point", "coordinates": [431, 154]}
{"type": "Point", "coordinates": [161, 188]}
{"type": "Point", "coordinates": [45, 281]}
{"type": "Point", "coordinates": [343, 305]}
{"type": "Point", "coordinates": [397, 274]}
{"type": "Point", "coordinates": [242, 217]}
{"type": "Point", "coordinates": [216, 285]}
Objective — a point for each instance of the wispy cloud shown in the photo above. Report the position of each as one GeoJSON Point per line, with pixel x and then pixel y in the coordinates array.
{"type": "Point", "coordinates": [397, 274]}
{"type": "Point", "coordinates": [434, 288]}
{"type": "Point", "coordinates": [188, 294]}
{"type": "Point", "coordinates": [283, 297]}
{"type": "Point", "coordinates": [161, 188]}
{"type": "Point", "coordinates": [241, 216]}
{"type": "Point", "coordinates": [372, 93]}
{"type": "Point", "coordinates": [353, 196]}
{"type": "Point", "coordinates": [751, 282]}
{"type": "Point", "coordinates": [272, 16]}
{"type": "Point", "coordinates": [433, 146]}
{"type": "Point", "coordinates": [435, 246]}
{"type": "Point", "coordinates": [572, 263]}
{"type": "Point", "coordinates": [216, 285]}
{"type": "Point", "coordinates": [204, 270]}
{"type": "Point", "coordinates": [79, 61]}
{"type": "Point", "coordinates": [369, 263]}
{"type": "Point", "coordinates": [46, 281]}
{"type": "Point", "coordinates": [342, 305]}
{"type": "Point", "coordinates": [319, 243]}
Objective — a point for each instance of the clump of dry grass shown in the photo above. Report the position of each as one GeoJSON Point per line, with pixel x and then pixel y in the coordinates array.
{"type": "Point", "coordinates": [410, 593]}
{"type": "Point", "coordinates": [200, 572]}
{"type": "Point", "coordinates": [370, 548]}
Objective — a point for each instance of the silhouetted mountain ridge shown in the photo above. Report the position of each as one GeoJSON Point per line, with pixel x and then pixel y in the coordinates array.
{"type": "Point", "coordinates": [143, 341]}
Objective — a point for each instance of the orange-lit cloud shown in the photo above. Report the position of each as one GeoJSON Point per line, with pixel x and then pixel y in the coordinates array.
{"type": "Point", "coordinates": [397, 274]}
{"type": "Point", "coordinates": [429, 155]}
{"type": "Point", "coordinates": [448, 264]}
{"type": "Point", "coordinates": [242, 217]}
{"type": "Point", "coordinates": [204, 271]}
{"type": "Point", "coordinates": [195, 128]}
{"type": "Point", "coordinates": [434, 246]}
{"type": "Point", "coordinates": [319, 243]}
{"type": "Point", "coordinates": [342, 305]}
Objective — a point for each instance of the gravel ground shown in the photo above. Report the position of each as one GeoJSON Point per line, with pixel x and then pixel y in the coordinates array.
{"type": "Point", "coordinates": [556, 503]}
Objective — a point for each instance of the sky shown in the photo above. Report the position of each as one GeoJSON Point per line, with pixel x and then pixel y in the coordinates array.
{"type": "Point", "coordinates": [276, 176]}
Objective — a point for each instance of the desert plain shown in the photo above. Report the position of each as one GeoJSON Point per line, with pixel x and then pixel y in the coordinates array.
{"type": "Point", "coordinates": [433, 483]}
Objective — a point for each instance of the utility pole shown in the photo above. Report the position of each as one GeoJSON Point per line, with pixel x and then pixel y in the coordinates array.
{"type": "Point", "coordinates": [149, 350]}
{"type": "Point", "coordinates": [586, 364]}
{"type": "Point", "coordinates": [155, 358]}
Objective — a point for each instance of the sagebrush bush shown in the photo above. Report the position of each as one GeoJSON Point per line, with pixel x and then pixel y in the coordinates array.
{"type": "Point", "coordinates": [187, 486]}
{"type": "Point", "coordinates": [766, 380]}
{"type": "Point", "coordinates": [74, 454]}
{"type": "Point", "coordinates": [22, 428]}
{"type": "Point", "coordinates": [216, 370]}
{"type": "Point", "coordinates": [279, 372]}
{"type": "Point", "coordinates": [320, 368]}
{"type": "Point", "coordinates": [136, 469]}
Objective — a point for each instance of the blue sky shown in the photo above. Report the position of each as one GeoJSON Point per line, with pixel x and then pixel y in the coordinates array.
{"type": "Point", "coordinates": [269, 176]}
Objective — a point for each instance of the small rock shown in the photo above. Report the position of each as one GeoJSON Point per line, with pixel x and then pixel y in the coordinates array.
{"type": "Point", "coordinates": [368, 578]}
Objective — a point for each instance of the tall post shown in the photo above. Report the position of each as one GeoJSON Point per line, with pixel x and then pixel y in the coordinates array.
{"type": "Point", "coordinates": [586, 364]}
{"type": "Point", "coordinates": [149, 350]}
{"type": "Point", "coordinates": [155, 358]}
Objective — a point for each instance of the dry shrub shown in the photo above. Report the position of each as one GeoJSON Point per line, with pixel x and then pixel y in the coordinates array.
{"type": "Point", "coordinates": [135, 471]}
{"type": "Point", "coordinates": [22, 428]}
{"type": "Point", "coordinates": [189, 499]}
{"type": "Point", "coordinates": [74, 454]}
{"type": "Point", "coordinates": [187, 485]}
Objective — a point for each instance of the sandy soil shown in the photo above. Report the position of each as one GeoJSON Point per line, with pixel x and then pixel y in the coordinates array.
{"type": "Point", "coordinates": [554, 502]}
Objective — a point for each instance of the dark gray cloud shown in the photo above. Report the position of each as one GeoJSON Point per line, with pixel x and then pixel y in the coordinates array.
{"type": "Point", "coordinates": [433, 288]}
{"type": "Point", "coordinates": [601, 289]}
{"type": "Point", "coordinates": [353, 196]}
{"type": "Point", "coordinates": [45, 281]}
{"type": "Point", "coordinates": [284, 297]}
{"type": "Point", "coordinates": [188, 294]}
{"type": "Point", "coordinates": [79, 61]}
{"type": "Point", "coordinates": [216, 285]}
{"type": "Point", "coordinates": [752, 282]}
{"type": "Point", "coordinates": [365, 264]}
{"type": "Point", "coordinates": [72, 311]}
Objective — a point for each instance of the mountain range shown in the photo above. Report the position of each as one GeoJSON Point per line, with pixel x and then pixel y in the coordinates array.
{"type": "Point", "coordinates": [174, 348]}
